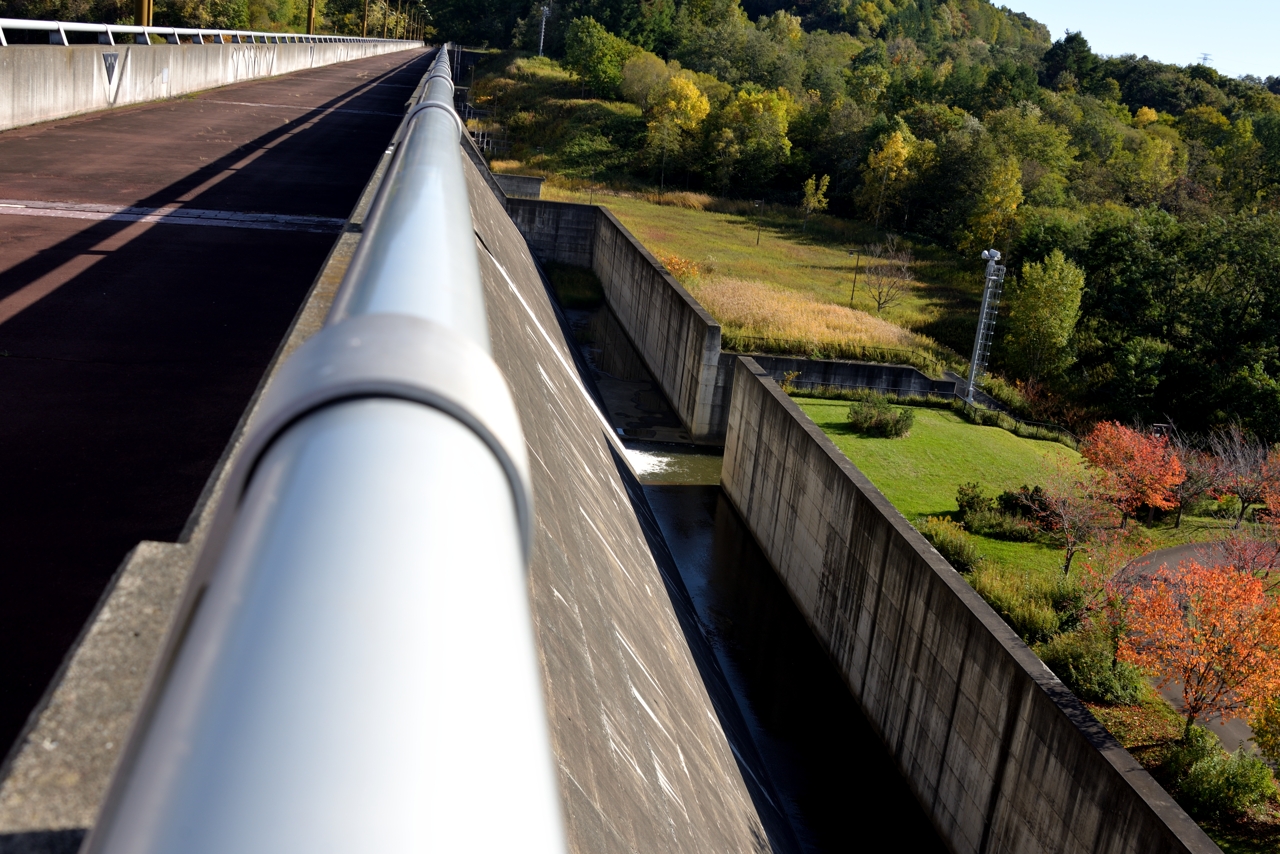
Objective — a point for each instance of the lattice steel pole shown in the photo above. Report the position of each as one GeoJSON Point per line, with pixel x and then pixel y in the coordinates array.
{"type": "Point", "coordinates": [986, 320]}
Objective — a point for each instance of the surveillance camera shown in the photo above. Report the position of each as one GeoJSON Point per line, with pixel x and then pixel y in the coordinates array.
{"type": "Point", "coordinates": [986, 254]}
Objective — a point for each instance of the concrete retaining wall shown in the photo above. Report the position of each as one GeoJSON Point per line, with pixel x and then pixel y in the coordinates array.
{"type": "Point", "coordinates": [677, 338]}
{"type": "Point", "coordinates": [520, 185]}
{"type": "Point", "coordinates": [896, 379]}
{"type": "Point", "coordinates": [39, 83]}
{"type": "Point", "coordinates": [999, 752]}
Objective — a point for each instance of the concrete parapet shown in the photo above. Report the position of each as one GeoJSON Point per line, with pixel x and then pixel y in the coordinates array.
{"type": "Point", "coordinates": [1001, 755]}
{"type": "Point", "coordinates": [42, 83]}
{"type": "Point", "coordinates": [891, 379]}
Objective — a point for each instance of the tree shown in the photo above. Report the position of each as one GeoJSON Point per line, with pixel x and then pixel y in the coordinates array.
{"type": "Point", "coordinates": [752, 139]}
{"type": "Point", "coordinates": [886, 172]}
{"type": "Point", "coordinates": [1244, 467]}
{"type": "Point", "coordinates": [1043, 309]}
{"type": "Point", "coordinates": [680, 109]}
{"type": "Point", "coordinates": [1135, 469]}
{"type": "Point", "coordinates": [997, 202]}
{"type": "Point", "coordinates": [644, 79]}
{"type": "Point", "coordinates": [1065, 506]}
{"type": "Point", "coordinates": [815, 196]}
{"type": "Point", "coordinates": [889, 275]}
{"type": "Point", "coordinates": [1198, 470]}
{"type": "Point", "coordinates": [596, 55]}
{"type": "Point", "coordinates": [1215, 630]}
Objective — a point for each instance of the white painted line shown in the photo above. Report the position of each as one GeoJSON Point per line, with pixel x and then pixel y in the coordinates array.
{"type": "Point", "coordinates": [301, 108]}
{"type": "Point", "coordinates": [172, 216]}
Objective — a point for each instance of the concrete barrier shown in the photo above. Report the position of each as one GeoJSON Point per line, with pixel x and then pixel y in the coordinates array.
{"type": "Point", "coordinates": [40, 83]}
{"type": "Point", "coordinates": [678, 340]}
{"type": "Point", "coordinates": [894, 379]}
{"type": "Point", "coordinates": [520, 185]}
{"type": "Point", "coordinates": [1001, 755]}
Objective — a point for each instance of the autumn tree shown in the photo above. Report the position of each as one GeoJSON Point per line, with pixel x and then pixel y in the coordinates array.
{"type": "Point", "coordinates": [995, 206]}
{"type": "Point", "coordinates": [678, 111]}
{"type": "Point", "coordinates": [1199, 473]}
{"type": "Point", "coordinates": [815, 197]}
{"type": "Point", "coordinates": [1044, 305]}
{"type": "Point", "coordinates": [1215, 630]}
{"type": "Point", "coordinates": [890, 169]}
{"type": "Point", "coordinates": [1135, 469]}
{"type": "Point", "coordinates": [1245, 467]}
{"type": "Point", "coordinates": [1066, 507]}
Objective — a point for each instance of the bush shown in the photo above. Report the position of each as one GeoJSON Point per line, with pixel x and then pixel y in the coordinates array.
{"type": "Point", "coordinates": [980, 516]}
{"type": "Point", "coordinates": [1001, 526]}
{"type": "Point", "coordinates": [1085, 662]}
{"type": "Point", "coordinates": [951, 541]}
{"type": "Point", "coordinates": [1211, 783]}
{"type": "Point", "coordinates": [1030, 604]}
{"type": "Point", "coordinates": [875, 417]}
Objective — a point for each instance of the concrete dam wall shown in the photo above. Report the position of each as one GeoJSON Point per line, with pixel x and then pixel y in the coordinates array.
{"type": "Point", "coordinates": [1000, 754]}
{"type": "Point", "coordinates": [39, 83]}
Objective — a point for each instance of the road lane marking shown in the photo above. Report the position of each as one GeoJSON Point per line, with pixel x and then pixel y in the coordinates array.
{"type": "Point", "coordinates": [303, 109]}
{"type": "Point", "coordinates": [172, 216]}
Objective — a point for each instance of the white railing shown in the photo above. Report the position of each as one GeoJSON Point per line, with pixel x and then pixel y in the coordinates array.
{"type": "Point", "coordinates": [355, 667]}
{"type": "Point", "coordinates": [108, 33]}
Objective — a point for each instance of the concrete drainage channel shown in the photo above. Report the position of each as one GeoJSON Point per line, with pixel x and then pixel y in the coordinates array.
{"type": "Point", "coordinates": [823, 772]}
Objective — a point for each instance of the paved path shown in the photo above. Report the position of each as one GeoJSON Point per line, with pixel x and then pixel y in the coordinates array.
{"type": "Point", "coordinates": [1235, 731]}
{"type": "Point", "coordinates": [151, 259]}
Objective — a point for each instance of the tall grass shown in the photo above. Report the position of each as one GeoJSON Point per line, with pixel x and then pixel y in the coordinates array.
{"type": "Point", "coordinates": [758, 318]}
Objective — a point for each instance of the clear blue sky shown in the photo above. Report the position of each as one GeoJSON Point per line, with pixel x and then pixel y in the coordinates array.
{"type": "Point", "coordinates": [1241, 36]}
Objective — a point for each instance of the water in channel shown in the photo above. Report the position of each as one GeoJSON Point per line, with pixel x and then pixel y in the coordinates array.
{"type": "Point", "coordinates": [819, 764]}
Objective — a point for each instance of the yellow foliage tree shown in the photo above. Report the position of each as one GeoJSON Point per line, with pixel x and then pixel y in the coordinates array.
{"type": "Point", "coordinates": [996, 205]}
{"type": "Point", "coordinates": [886, 172]}
{"type": "Point", "coordinates": [680, 109]}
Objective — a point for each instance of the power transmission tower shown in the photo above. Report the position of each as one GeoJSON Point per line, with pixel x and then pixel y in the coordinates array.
{"type": "Point", "coordinates": [1205, 58]}
{"type": "Point", "coordinates": [542, 32]}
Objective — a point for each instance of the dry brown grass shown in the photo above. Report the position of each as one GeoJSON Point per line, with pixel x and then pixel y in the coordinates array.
{"type": "Point", "coordinates": [681, 199]}
{"type": "Point", "coordinates": [758, 317]}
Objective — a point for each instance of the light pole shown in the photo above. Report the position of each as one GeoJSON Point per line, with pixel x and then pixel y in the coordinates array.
{"type": "Point", "coordinates": [542, 32]}
{"type": "Point", "coordinates": [991, 292]}
{"type": "Point", "coordinates": [758, 203]}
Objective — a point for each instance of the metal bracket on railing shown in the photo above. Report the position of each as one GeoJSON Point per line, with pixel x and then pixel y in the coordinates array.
{"type": "Point", "coordinates": [391, 356]}
{"type": "Point", "coordinates": [435, 105]}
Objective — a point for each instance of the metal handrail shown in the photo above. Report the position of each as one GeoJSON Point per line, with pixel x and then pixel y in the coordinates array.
{"type": "Point", "coordinates": [354, 667]}
{"type": "Point", "coordinates": [106, 34]}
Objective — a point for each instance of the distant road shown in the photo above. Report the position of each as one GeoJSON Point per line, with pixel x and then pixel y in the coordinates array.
{"type": "Point", "coordinates": [151, 259]}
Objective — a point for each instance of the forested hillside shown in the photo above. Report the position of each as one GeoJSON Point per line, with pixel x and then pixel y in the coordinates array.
{"type": "Point", "coordinates": [964, 124]}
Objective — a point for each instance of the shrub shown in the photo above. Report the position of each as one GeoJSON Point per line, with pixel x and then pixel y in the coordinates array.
{"type": "Point", "coordinates": [970, 499]}
{"type": "Point", "coordinates": [1001, 526]}
{"type": "Point", "coordinates": [1085, 661]}
{"type": "Point", "coordinates": [1211, 783]}
{"type": "Point", "coordinates": [980, 516]}
{"type": "Point", "coordinates": [951, 541]}
{"type": "Point", "coordinates": [875, 417]}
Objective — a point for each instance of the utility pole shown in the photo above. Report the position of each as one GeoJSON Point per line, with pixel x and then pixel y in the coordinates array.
{"type": "Point", "coordinates": [857, 266]}
{"type": "Point", "coordinates": [364, 21]}
{"type": "Point", "coordinates": [759, 211]}
{"type": "Point", "coordinates": [143, 10]}
{"type": "Point", "coordinates": [542, 32]}
{"type": "Point", "coordinates": [311, 18]}
{"type": "Point", "coordinates": [986, 320]}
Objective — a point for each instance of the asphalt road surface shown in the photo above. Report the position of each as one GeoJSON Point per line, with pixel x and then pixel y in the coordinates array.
{"type": "Point", "coordinates": [151, 260]}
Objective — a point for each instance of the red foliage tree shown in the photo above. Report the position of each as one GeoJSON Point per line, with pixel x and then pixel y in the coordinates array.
{"type": "Point", "coordinates": [1212, 628]}
{"type": "Point", "coordinates": [1134, 468]}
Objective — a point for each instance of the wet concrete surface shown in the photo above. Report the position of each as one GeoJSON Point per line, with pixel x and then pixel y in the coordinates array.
{"type": "Point", "coordinates": [128, 350]}
{"type": "Point", "coordinates": [830, 773]}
